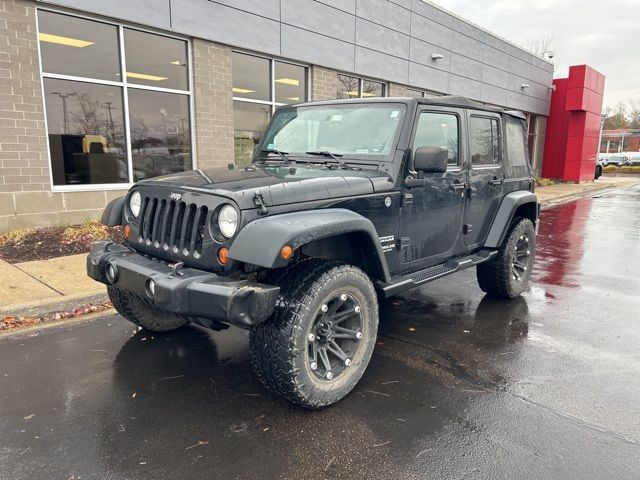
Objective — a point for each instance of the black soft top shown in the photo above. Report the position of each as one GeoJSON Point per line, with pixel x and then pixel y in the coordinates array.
{"type": "Point", "coordinates": [445, 100]}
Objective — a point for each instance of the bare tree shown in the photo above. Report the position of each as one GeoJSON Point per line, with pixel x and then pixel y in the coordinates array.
{"type": "Point", "coordinates": [541, 46]}
{"type": "Point", "coordinates": [633, 114]}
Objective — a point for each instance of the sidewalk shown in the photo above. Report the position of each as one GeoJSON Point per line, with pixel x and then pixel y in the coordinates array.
{"type": "Point", "coordinates": [565, 192]}
{"type": "Point", "coordinates": [44, 287]}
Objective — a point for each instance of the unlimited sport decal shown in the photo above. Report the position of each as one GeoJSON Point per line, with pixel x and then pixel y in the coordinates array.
{"type": "Point", "coordinates": [387, 243]}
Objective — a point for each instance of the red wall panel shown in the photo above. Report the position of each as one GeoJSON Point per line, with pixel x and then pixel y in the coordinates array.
{"type": "Point", "coordinates": [573, 127]}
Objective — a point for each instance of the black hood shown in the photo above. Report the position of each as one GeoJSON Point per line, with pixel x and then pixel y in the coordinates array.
{"type": "Point", "coordinates": [279, 185]}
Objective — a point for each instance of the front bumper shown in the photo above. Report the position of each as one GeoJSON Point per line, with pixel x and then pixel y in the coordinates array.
{"type": "Point", "coordinates": [189, 292]}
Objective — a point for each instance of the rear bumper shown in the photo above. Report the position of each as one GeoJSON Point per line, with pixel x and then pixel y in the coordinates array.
{"type": "Point", "coordinates": [188, 292]}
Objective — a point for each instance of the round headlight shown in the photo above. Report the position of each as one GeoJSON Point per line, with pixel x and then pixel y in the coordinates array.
{"type": "Point", "coordinates": [135, 201]}
{"type": "Point", "coordinates": [228, 221]}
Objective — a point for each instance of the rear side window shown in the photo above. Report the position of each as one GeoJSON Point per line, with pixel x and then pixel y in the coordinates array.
{"type": "Point", "coordinates": [516, 162]}
{"type": "Point", "coordinates": [484, 141]}
{"type": "Point", "coordinates": [438, 130]}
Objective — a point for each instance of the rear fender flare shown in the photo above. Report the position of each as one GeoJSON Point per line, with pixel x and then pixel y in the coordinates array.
{"type": "Point", "coordinates": [506, 211]}
{"type": "Point", "coordinates": [259, 242]}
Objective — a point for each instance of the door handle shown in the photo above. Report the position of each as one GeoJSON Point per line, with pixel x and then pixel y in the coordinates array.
{"type": "Point", "coordinates": [495, 181]}
{"type": "Point", "coordinates": [458, 186]}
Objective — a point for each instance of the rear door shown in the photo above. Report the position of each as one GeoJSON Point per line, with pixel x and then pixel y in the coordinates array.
{"type": "Point", "coordinates": [486, 175]}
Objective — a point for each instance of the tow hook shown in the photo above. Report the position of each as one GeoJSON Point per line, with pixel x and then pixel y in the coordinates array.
{"type": "Point", "coordinates": [258, 201]}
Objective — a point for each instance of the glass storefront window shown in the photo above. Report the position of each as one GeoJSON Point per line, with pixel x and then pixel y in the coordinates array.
{"type": "Point", "coordinates": [85, 93]}
{"type": "Point", "coordinates": [348, 87]}
{"type": "Point", "coordinates": [254, 78]}
{"type": "Point", "coordinates": [290, 83]}
{"type": "Point", "coordinates": [355, 87]}
{"type": "Point", "coordinates": [249, 123]}
{"type": "Point", "coordinates": [251, 77]}
{"type": "Point", "coordinates": [414, 93]}
{"type": "Point", "coordinates": [155, 61]}
{"type": "Point", "coordinates": [86, 132]}
{"type": "Point", "coordinates": [78, 47]}
{"type": "Point", "coordinates": [160, 138]}
{"type": "Point", "coordinates": [372, 89]}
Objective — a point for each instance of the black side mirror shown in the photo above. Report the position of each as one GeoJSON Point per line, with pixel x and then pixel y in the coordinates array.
{"type": "Point", "coordinates": [431, 159]}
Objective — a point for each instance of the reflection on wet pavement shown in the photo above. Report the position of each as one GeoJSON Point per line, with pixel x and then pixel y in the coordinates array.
{"type": "Point", "coordinates": [460, 385]}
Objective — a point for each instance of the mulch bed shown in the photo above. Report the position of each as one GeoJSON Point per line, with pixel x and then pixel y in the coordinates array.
{"type": "Point", "coordinates": [50, 242]}
{"type": "Point", "coordinates": [11, 322]}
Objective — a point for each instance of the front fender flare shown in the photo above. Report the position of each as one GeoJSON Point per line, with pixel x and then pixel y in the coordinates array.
{"type": "Point", "coordinates": [113, 214]}
{"type": "Point", "coordinates": [503, 217]}
{"type": "Point", "coordinates": [259, 243]}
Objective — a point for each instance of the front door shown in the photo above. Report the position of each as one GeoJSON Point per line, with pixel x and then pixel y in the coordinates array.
{"type": "Point", "coordinates": [486, 176]}
{"type": "Point", "coordinates": [431, 215]}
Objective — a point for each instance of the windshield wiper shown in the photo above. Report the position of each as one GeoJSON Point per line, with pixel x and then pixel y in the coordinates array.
{"type": "Point", "coordinates": [334, 156]}
{"type": "Point", "coordinates": [282, 155]}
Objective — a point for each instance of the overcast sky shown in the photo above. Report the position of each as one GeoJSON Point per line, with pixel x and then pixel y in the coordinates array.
{"type": "Point", "coordinates": [603, 34]}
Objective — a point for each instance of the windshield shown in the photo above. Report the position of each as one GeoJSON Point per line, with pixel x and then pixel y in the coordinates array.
{"type": "Point", "coordinates": [364, 131]}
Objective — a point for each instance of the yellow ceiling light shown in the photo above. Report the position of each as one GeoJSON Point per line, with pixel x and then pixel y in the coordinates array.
{"type": "Point", "coordinates": [69, 42]}
{"type": "Point", "coordinates": [288, 81]}
{"type": "Point", "coordinates": [144, 76]}
{"type": "Point", "coordinates": [353, 93]}
{"type": "Point", "coordinates": [295, 99]}
{"type": "Point", "coordinates": [178, 62]}
{"type": "Point", "coordinates": [369, 94]}
{"type": "Point", "coordinates": [242, 90]}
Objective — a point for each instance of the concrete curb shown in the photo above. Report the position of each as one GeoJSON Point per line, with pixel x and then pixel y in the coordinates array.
{"type": "Point", "coordinates": [48, 307]}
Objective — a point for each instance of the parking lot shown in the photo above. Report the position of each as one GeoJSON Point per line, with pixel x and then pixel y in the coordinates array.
{"type": "Point", "coordinates": [460, 385]}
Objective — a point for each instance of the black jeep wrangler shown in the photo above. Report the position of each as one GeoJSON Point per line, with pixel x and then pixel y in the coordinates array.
{"type": "Point", "coordinates": [345, 202]}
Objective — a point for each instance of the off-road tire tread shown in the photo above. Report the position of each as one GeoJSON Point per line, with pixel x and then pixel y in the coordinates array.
{"type": "Point", "coordinates": [271, 344]}
{"type": "Point", "coordinates": [142, 313]}
{"type": "Point", "coordinates": [494, 276]}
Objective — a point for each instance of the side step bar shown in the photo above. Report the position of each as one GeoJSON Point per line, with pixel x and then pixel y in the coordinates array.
{"type": "Point", "coordinates": [400, 284]}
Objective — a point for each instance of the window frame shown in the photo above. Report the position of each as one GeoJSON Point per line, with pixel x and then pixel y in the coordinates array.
{"type": "Point", "coordinates": [124, 85]}
{"type": "Point", "coordinates": [499, 147]}
{"type": "Point", "coordinates": [451, 167]}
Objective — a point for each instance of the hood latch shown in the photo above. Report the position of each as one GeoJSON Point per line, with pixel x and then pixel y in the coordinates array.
{"type": "Point", "coordinates": [258, 201]}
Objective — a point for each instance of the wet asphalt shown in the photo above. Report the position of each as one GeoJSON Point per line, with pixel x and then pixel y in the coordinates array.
{"type": "Point", "coordinates": [460, 385]}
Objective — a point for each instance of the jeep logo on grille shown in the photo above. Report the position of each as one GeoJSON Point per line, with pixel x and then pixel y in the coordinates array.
{"type": "Point", "coordinates": [175, 196]}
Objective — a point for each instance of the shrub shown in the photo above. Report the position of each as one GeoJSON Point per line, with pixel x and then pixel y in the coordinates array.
{"type": "Point", "coordinates": [610, 168]}
{"type": "Point", "coordinates": [630, 169]}
{"type": "Point", "coordinates": [544, 182]}
{"type": "Point", "coordinates": [16, 237]}
{"type": "Point", "coordinates": [85, 233]}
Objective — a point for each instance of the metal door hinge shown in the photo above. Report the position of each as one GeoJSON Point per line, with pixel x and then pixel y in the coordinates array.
{"type": "Point", "coordinates": [467, 228]}
{"type": "Point", "coordinates": [407, 199]}
{"type": "Point", "coordinates": [258, 201]}
{"type": "Point", "coordinates": [403, 243]}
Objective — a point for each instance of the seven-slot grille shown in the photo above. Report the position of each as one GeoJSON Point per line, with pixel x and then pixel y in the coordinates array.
{"type": "Point", "coordinates": [175, 225]}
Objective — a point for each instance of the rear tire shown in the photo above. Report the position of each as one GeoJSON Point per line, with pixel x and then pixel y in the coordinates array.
{"type": "Point", "coordinates": [507, 275]}
{"type": "Point", "coordinates": [318, 343]}
{"type": "Point", "coordinates": [142, 313]}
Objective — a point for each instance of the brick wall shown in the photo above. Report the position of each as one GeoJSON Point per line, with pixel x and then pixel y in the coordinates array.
{"type": "Point", "coordinates": [396, 90]}
{"type": "Point", "coordinates": [324, 83]}
{"type": "Point", "coordinates": [23, 146]}
{"type": "Point", "coordinates": [213, 103]}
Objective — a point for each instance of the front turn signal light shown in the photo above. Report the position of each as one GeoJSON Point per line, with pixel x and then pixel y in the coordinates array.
{"type": "Point", "coordinates": [286, 252]}
{"type": "Point", "coordinates": [126, 231]}
{"type": "Point", "coordinates": [223, 255]}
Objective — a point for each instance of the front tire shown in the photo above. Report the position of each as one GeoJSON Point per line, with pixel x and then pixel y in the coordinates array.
{"type": "Point", "coordinates": [316, 346]}
{"type": "Point", "coordinates": [507, 275]}
{"type": "Point", "coordinates": [142, 313]}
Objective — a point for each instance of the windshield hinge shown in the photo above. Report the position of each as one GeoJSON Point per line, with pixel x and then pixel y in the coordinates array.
{"type": "Point", "coordinates": [258, 201]}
